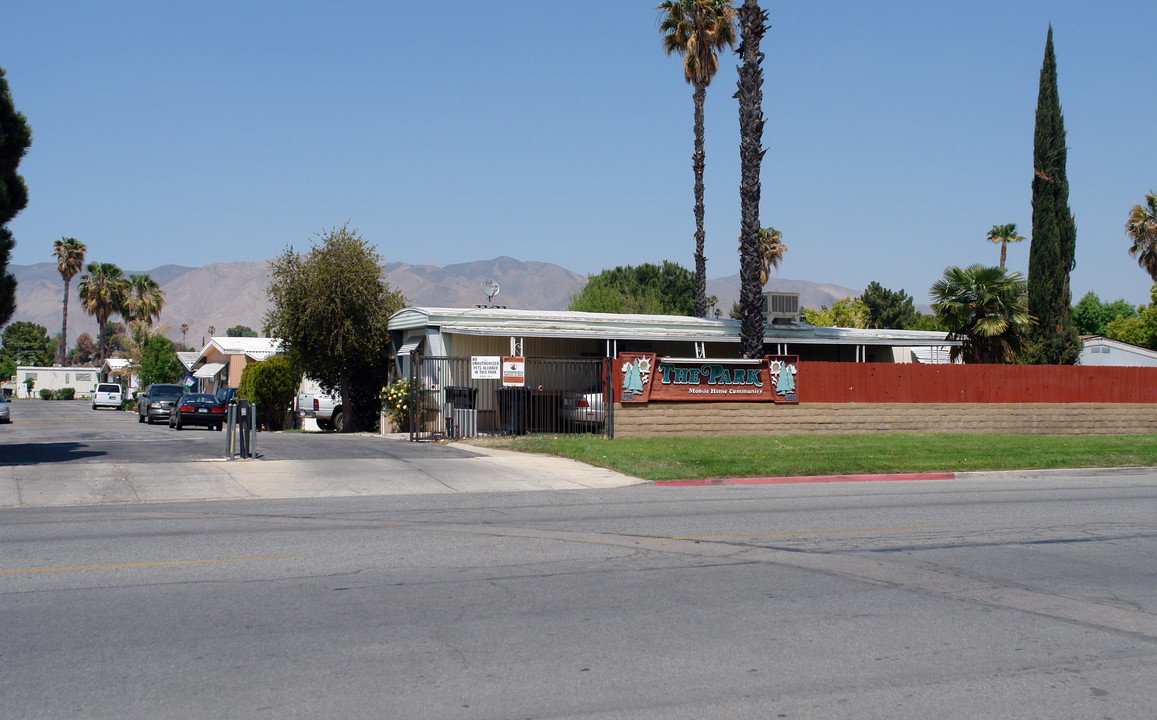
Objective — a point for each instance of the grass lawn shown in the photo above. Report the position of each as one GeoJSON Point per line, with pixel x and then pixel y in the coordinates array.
{"type": "Point", "coordinates": [754, 456]}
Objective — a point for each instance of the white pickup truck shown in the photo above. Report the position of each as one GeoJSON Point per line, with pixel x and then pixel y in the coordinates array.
{"type": "Point", "coordinates": [324, 408]}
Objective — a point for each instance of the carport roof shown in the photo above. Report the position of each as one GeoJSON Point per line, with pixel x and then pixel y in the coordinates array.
{"type": "Point", "coordinates": [570, 324]}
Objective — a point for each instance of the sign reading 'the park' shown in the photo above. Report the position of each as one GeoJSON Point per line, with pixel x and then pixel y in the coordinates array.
{"type": "Point", "coordinates": [645, 377]}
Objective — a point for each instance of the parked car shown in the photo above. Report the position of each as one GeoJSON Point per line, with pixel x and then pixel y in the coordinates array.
{"type": "Point", "coordinates": [5, 410]}
{"type": "Point", "coordinates": [157, 400]}
{"type": "Point", "coordinates": [583, 408]}
{"type": "Point", "coordinates": [227, 394]}
{"type": "Point", "coordinates": [108, 395]}
{"type": "Point", "coordinates": [197, 409]}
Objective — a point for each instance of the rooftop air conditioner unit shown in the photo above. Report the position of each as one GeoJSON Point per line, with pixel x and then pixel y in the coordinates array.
{"type": "Point", "coordinates": [780, 307]}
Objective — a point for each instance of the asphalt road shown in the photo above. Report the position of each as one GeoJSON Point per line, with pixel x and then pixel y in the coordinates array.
{"type": "Point", "coordinates": [998, 596]}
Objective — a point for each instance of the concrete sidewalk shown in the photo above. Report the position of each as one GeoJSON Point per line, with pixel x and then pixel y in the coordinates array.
{"type": "Point", "coordinates": [484, 470]}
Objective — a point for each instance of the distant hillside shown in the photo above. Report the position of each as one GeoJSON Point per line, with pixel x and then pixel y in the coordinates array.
{"type": "Point", "coordinates": [811, 295]}
{"type": "Point", "coordinates": [221, 295]}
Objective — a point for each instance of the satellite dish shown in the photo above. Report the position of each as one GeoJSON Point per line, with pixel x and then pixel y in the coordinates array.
{"type": "Point", "coordinates": [490, 287]}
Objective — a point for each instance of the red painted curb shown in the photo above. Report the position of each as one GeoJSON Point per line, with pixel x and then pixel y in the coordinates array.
{"type": "Point", "coordinates": [806, 479]}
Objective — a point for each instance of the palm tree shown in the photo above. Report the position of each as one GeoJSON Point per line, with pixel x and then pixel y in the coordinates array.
{"type": "Point", "coordinates": [697, 30]}
{"type": "Point", "coordinates": [144, 299]}
{"type": "Point", "coordinates": [69, 261]}
{"type": "Point", "coordinates": [184, 329]}
{"type": "Point", "coordinates": [752, 26]}
{"type": "Point", "coordinates": [986, 308]}
{"type": "Point", "coordinates": [1004, 234]}
{"type": "Point", "coordinates": [771, 251]}
{"type": "Point", "coordinates": [1142, 230]}
{"type": "Point", "coordinates": [102, 291]}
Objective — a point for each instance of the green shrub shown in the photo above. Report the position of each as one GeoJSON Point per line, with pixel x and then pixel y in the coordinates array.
{"type": "Point", "coordinates": [269, 384]}
{"type": "Point", "coordinates": [66, 394]}
{"type": "Point", "coordinates": [46, 394]}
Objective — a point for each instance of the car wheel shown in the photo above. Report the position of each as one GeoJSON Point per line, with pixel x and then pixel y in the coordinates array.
{"type": "Point", "coordinates": [324, 425]}
{"type": "Point", "coordinates": [177, 423]}
{"type": "Point", "coordinates": [219, 427]}
{"type": "Point", "coordinates": [94, 406]}
{"type": "Point", "coordinates": [339, 422]}
{"type": "Point", "coordinates": [140, 418]}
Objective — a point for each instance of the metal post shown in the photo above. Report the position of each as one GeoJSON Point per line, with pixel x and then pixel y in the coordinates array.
{"type": "Point", "coordinates": [231, 414]}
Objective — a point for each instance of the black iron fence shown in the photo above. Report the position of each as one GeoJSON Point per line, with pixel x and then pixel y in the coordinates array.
{"type": "Point", "coordinates": [558, 395]}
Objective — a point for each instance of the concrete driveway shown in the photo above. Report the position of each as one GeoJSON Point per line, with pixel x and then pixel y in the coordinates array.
{"type": "Point", "coordinates": [59, 453]}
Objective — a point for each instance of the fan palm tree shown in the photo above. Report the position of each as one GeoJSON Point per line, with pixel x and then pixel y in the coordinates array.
{"type": "Point", "coordinates": [1142, 230]}
{"type": "Point", "coordinates": [144, 300]}
{"type": "Point", "coordinates": [102, 291]}
{"type": "Point", "coordinates": [749, 92]}
{"type": "Point", "coordinates": [69, 261]}
{"type": "Point", "coordinates": [184, 329]}
{"type": "Point", "coordinates": [986, 308]}
{"type": "Point", "coordinates": [771, 251]}
{"type": "Point", "coordinates": [1004, 234]}
{"type": "Point", "coordinates": [697, 30]}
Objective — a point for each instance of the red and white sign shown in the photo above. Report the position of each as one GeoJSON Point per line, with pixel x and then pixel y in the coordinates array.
{"type": "Point", "coordinates": [513, 371]}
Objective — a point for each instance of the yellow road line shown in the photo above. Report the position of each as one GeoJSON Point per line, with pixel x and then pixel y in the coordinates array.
{"type": "Point", "coordinates": [797, 532]}
{"type": "Point", "coordinates": [134, 565]}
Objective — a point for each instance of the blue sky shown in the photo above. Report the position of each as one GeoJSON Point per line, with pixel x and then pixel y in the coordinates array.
{"type": "Point", "coordinates": [897, 133]}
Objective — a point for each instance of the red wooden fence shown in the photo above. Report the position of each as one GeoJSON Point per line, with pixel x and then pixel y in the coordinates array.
{"type": "Point", "coordinates": [836, 382]}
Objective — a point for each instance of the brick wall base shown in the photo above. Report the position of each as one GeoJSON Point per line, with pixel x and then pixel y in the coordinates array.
{"type": "Point", "coordinates": [702, 419]}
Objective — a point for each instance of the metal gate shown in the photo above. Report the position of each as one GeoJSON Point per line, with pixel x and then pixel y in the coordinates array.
{"type": "Point", "coordinates": [559, 396]}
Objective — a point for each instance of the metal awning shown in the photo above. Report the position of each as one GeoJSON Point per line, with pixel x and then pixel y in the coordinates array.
{"type": "Point", "coordinates": [410, 345]}
{"type": "Point", "coordinates": [209, 370]}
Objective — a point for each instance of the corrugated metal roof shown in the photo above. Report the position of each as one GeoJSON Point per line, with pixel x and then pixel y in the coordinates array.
{"type": "Point", "coordinates": [564, 323]}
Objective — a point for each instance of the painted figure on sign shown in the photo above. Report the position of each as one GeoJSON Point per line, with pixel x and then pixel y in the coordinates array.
{"type": "Point", "coordinates": [785, 384]}
{"type": "Point", "coordinates": [632, 379]}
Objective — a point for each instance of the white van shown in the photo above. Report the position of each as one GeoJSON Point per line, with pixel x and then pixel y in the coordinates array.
{"type": "Point", "coordinates": [107, 395]}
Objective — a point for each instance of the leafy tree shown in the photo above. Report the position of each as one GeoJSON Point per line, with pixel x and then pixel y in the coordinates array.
{"type": "Point", "coordinates": [1004, 234]}
{"type": "Point", "coordinates": [143, 300]}
{"type": "Point", "coordinates": [1092, 317]}
{"type": "Point", "coordinates": [888, 308]}
{"type": "Point", "coordinates": [69, 260]}
{"type": "Point", "coordinates": [240, 331]}
{"type": "Point", "coordinates": [7, 368]}
{"type": "Point", "coordinates": [15, 138]}
{"type": "Point", "coordinates": [752, 26]}
{"type": "Point", "coordinates": [697, 30]}
{"type": "Point", "coordinates": [26, 343]}
{"type": "Point", "coordinates": [929, 323]}
{"type": "Point", "coordinates": [330, 309]}
{"type": "Point", "coordinates": [271, 385]}
{"type": "Point", "coordinates": [986, 308]}
{"type": "Point", "coordinates": [159, 362]}
{"type": "Point", "coordinates": [85, 350]}
{"type": "Point", "coordinates": [1054, 339]}
{"type": "Point", "coordinates": [102, 292]}
{"type": "Point", "coordinates": [1142, 230]}
{"type": "Point", "coordinates": [647, 289]}
{"type": "Point", "coordinates": [1141, 329]}
{"type": "Point", "coordinates": [845, 313]}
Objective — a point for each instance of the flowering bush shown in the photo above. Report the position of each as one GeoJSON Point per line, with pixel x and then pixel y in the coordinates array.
{"type": "Point", "coordinates": [397, 399]}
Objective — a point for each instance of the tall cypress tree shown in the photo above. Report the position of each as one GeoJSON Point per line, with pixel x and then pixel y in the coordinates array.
{"type": "Point", "coordinates": [1054, 233]}
{"type": "Point", "coordinates": [15, 137]}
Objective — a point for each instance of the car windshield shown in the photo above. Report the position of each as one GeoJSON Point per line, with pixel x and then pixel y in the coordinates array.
{"type": "Point", "coordinates": [156, 390]}
{"type": "Point", "coordinates": [199, 397]}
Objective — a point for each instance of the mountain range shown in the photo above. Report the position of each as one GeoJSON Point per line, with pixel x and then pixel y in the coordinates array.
{"type": "Point", "coordinates": [223, 295]}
